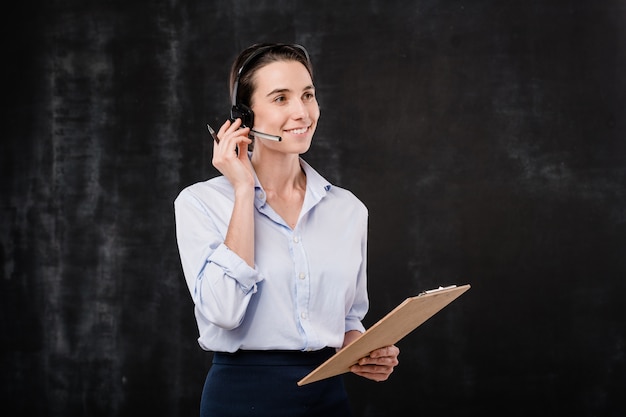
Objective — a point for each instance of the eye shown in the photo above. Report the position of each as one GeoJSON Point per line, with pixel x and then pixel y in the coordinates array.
{"type": "Point", "coordinates": [279, 99]}
{"type": "Point", "coordinates": [308, 96]}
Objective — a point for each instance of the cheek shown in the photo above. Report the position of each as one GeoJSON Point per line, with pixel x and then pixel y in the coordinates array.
{"type": "Point", "coordinates": [263, 114]}
{"type": "Point", "coordinates": [314, 111]}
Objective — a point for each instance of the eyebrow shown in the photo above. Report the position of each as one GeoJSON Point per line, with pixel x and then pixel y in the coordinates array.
{"type": "Point", "coordinates": [285, 90]}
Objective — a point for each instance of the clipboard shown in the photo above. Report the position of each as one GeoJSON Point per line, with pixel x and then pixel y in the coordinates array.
{"type": "Point", "coordinates": [399, 322]}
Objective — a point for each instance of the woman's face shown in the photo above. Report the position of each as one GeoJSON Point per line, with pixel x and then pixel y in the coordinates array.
{"type": "Point", "coordinates": [284, 104]}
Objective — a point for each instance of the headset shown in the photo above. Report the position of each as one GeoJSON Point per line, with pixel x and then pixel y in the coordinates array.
{"type": "Point", "coordinates": [244, 112]}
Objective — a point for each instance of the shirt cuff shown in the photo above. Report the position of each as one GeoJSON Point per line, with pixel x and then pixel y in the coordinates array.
{"type": "Point", "coordinates": [354, 325]}
{"type": "Point", "coordinates": [236, 268]}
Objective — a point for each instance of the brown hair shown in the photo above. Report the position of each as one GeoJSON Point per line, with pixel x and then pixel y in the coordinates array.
{"type": "Point", "coordinates": [257, 56]}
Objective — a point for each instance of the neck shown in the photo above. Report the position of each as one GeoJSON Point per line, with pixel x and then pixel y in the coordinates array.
{"type": "Point", "coordinates": [278, 172]}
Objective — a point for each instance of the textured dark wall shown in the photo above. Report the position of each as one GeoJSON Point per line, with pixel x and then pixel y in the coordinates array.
{"type": "Point", "coordinates": [488, 139]}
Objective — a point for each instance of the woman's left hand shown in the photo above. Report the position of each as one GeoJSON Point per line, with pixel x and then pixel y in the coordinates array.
{"type": "Point", "coordinates": [378, 365]}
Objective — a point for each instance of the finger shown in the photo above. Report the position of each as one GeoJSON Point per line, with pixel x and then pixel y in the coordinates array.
{"type": "Point", "coordinates": [228, 127]}
{"type": "Point", "coordinates": [242, 148]}
{"type": "Point", "coordinates": [373, 369]}
{"type": "Point", "coordinates": [385, 351]}
{"type": "Point", "coordinates": [233, 125]}
{"type": "Point", "coordinates": [223, 128]}
{"type": "Point", "coordinates": [386, 361]}
{"type": "Point", "coordinates": [376, 373]}
{"type": "Point", "coordinates": [231, 136]}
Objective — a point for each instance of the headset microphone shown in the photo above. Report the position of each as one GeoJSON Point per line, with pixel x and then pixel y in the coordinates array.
{"type": "Point", "coordinates": [265, 135]}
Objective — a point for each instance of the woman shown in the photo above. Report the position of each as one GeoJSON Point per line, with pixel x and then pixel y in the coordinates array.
{"type": "Point", "coordinates": [274, 256]}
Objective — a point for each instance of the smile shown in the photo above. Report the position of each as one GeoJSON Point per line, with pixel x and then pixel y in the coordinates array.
{"type": "Point", "coordinates": [298, 131]}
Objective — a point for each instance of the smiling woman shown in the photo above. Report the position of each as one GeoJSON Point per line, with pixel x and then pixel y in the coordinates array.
{"type": "Point", "coordinates": [277, 290]}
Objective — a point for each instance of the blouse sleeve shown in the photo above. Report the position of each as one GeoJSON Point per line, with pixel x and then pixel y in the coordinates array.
{"type": "Point", "coordinates": [361, 301]}
{"type": "Point", "coordinates": [220, 282]}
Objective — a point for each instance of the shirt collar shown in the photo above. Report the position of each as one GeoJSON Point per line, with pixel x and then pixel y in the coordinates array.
{"type": "Point", "coordinates": [316, 185]}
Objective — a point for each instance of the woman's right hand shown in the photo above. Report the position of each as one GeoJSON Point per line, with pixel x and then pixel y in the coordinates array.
{"type": "Point", "coordinates": [230, 155]}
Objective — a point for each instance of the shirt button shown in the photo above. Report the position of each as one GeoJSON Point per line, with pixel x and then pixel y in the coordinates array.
{"type": "Point", "coordinates": [295, 239]}
{"type": "Point", "coordinates": [261, 195]}
{"type": "Point", "coordinates": [302, 275]}
{"type": "Point", "coordinates": [303, 315]}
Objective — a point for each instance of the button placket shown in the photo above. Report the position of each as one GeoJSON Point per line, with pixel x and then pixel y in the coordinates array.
{"type": "Point", "coordinates": [302, 285]}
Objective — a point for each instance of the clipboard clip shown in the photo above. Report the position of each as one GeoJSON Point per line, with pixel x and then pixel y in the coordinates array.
{"type": "Point", "coordinates": [437, 289]}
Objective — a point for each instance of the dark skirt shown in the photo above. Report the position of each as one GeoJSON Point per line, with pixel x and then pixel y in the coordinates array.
{"type": "Point", "coordinates": [264, 383]}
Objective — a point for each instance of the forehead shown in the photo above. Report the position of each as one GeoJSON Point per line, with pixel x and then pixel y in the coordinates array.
{"type": "Point", "coordinates": [290, 75]}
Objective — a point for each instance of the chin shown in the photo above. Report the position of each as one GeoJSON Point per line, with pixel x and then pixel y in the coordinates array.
{"type": "Point", "coordinates": [304, 147]}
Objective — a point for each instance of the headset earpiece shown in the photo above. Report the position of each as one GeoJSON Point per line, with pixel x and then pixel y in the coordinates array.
{"type": "Point", "coordinates": [243, 112]}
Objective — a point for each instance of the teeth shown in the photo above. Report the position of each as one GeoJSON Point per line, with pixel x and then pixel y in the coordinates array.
{"type": "Point", "coordinates": [298, 131]}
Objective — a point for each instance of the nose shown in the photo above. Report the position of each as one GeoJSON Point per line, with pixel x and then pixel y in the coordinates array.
{"type": "Point", "coordinates": [300, 110]}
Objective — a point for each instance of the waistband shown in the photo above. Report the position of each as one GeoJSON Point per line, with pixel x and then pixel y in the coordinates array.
{"type": "Point", "coordinates": [273, 357]}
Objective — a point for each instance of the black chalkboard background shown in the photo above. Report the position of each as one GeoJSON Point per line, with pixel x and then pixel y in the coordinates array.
{"type": "Point", "coordinates": [487, 138]}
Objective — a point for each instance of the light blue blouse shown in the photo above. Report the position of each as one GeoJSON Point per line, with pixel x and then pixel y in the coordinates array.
{"type": "Point", "coordinates": [308, 286]}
